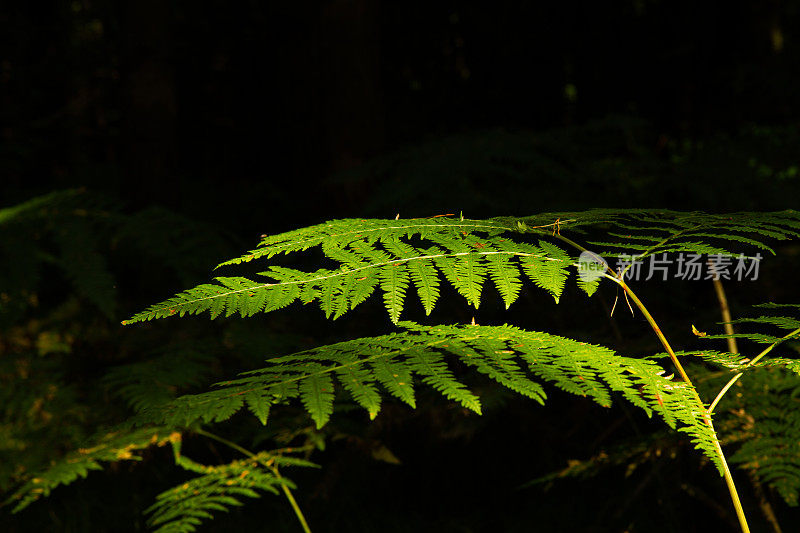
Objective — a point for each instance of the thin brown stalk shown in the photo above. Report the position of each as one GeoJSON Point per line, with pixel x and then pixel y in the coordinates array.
{"type": "Point", "coordinates": [763, 501]}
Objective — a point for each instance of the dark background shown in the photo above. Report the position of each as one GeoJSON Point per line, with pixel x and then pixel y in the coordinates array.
{"type": "Point", "coordinates": [255, 117]}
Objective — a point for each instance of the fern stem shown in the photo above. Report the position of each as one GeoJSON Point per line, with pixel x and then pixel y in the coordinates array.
{"type": "Point", "coordinates": [657, 331]}
{"type": "Point", "coordinates": [722, 392]}
{"type": "Point", "coordinates": [295, 506]}
{"type": "Point", "coordinates": [618, 278]}
{"type": "Point", "coordinates": [737, 504]}
{"type": "Point", "coordinates": [286, 491]}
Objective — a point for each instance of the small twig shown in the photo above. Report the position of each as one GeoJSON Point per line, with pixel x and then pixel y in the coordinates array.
{"type": "Point", "coordinates": [763, 501]}
{"type": "Point", "coordinates": [724, 309]}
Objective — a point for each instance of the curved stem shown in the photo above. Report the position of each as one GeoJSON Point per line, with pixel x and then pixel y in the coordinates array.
{"type": "Point", "coordinates": [619, 279]}
{"type": "Point", "coordinates": [737, 504]}
{"type": "Point", "coordinates": [272, 468]}
{"type": "Point", "coordinates": [658, 332]}
{"type": "Point", "coordinates": [722, 392]}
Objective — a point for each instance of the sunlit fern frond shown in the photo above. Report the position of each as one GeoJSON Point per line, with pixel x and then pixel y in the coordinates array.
{"type": "Point", "coordinates": [398, 254]}
{"type": "Point", "coordinates": [390, 255]}
{"type": "Point", "coordinates": [370, 367]}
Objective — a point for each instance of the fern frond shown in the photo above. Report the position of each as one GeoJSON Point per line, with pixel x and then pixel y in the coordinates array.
{"type": "Point", "coordinates": [765, 421]}
{"type": "Point", "coordinates": [507, 355]}
{"type": "Point", "coordinates": [154, 382]}
{"type": "Point", "coordinates": [316, 392]}
{"type": "Point", "coordinates": [776, 327]}
{"type": "Point", "coordinates": [395, 253]}
{"type": "Point", "coordinates": [655, 232]}
{"type": "Point", "coordinates": [506, 277]}
{"type": "Point", "coordinates": [111, 447]}
{"type": "Point", "coordinates": [764, 418]}
{"type": "Point", "coordinates": [550, 275]}
{"type": "Point", "coordinates": [217, 488]}
{"type": "Point", "coordinates": [463, 264]}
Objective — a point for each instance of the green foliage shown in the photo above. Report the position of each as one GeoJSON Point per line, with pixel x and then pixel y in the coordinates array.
{"type": "Point", "coordinates": [762, 418]}
{"type": "Point", "coordinates": [216, 488]}
{"type": "Point", "coordinates": [508, 355]}
{"type": "Point", "coordinates": [766, 421]}
{"type": "Point", "coordinates": [153, 382]}
{"type": "Point", "coordinates": [60, 258]}
{"type": "Point", "coordinates": [57, 229]}
{"type": "Point", "coordinates": [394, 253]}
{"type": "Point", "coordinates": [360, 257]}
{"type": "Point", "coordinates": [110, 447]}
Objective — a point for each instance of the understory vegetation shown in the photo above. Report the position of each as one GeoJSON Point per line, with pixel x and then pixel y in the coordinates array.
{"type": "Point", "coordinates": [354, 385]}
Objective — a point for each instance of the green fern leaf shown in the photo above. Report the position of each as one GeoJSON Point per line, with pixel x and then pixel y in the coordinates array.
{"type": "Point", "coordinates": [316, 392]}
{"type": "Point", "coordinates": [360, 383]}
{"type": "Point", "coordinates": [504, 354]}
{"type": "Point", "coordinates": [259, 405]}
{"type": "Point", "coordinates": [426, 279]}
{"type": "Point", "coordinates": [433, 369]}
{"type": "Point", "coordinates": [396, 377]}
{"type": "Point", "coordinates": [506, 277]}
{"type": "Point", "coordinates": [394, 282]}
{"type": "Point", "coordinates": [549, 273]}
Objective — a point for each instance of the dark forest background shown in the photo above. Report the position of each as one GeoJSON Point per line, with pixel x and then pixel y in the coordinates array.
{"type": "Point", "coordinates": [202, 125]}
